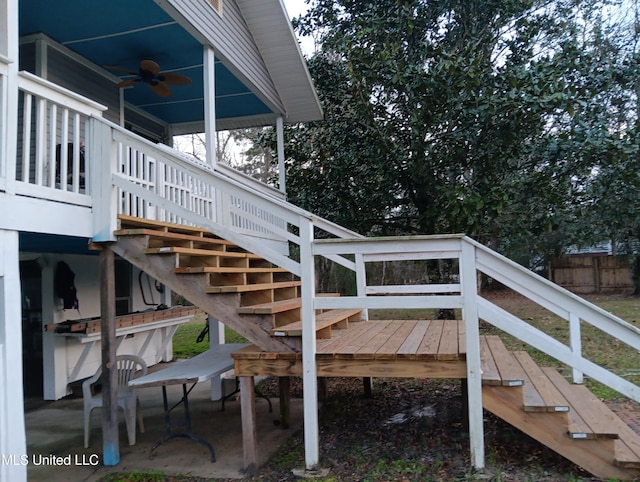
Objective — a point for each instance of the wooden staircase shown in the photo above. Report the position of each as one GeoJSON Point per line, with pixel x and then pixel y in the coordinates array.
{"type": "Point", "coordinates": [262, 303]}
{"type": "Point", "coordinates": [244, 291]}
{"type": "Point", "coordinates": [565, 417]}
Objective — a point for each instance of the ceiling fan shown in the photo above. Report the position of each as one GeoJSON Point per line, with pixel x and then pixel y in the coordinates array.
{"type": "Point", "coordinates": [149, 73]}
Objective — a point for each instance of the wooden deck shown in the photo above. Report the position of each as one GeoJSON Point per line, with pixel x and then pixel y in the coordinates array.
{"type": "Point", "coordinates": [391, 348]}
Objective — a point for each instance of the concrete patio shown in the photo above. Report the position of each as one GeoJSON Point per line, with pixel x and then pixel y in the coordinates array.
{"type": "Point", "coordinates": [55, 437]}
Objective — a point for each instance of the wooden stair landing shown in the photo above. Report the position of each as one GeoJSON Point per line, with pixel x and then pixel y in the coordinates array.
{"type": "Point", "coordinates": [537, 400]}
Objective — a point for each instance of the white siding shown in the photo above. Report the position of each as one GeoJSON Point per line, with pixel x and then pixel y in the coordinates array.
{"type": "Point", "coordinates": [233, 43]}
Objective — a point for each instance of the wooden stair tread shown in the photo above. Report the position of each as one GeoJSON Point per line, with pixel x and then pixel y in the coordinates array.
{"type": "Point", "coordinates": [253, 287]}
{"type": "Point", "coordinates": [539, 393]}
{"type": "Point", "coordinates": [588, 416]}
{"type": "Point", "coordinates": [625, 456]}
{"type": "Point", "coordinates": [271, 307]}
{"type": "Point", "coordinates": [226, 269]}
{"type": "Point", "coordinates": [323, 320]}
{"type": "Point", "coordinates": [499, 367]}
{"type": "Point", "coordinates": [490, 373]}
{"type": "Point", "coordinates": [199, 252]}
{"type": "Point", "coordinates": [171, 236]}
{"type": "Point", "coordinates": [162, 225]}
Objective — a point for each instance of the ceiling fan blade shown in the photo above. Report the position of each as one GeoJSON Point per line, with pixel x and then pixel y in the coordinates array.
{"type": "Point", "coordinates": [128, 83]}
{"type": "Point", "coordinates": [161, 89]}
{"type": "Point", "coordinates": [150, 65]}
{"type": "Point", "coordinates": [175, 79]}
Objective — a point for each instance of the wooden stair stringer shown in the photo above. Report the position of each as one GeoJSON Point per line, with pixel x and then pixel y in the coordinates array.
{"type": "Point", "coordinates": [550, 428]}
{"type": "Point", "coordinates": [222, 306]}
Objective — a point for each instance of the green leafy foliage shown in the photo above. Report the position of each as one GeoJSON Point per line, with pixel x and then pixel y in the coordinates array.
{"type": "Point", "coordinates": [508, 120]}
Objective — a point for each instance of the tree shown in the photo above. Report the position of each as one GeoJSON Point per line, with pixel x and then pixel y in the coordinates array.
{"type": "Point", "coordinates": [486, 117]}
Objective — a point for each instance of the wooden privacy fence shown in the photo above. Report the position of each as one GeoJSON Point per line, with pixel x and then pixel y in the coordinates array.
{"type": "Point", "coordinates": [593, 273]}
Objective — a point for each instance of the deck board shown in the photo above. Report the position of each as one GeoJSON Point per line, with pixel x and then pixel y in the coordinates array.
{"type": "Point", "coordinates": [390, 348]}
{"type": "Point", "coordinates": [462, 339]}
{"type": "Point", "coordinates": [370, 349]}
{"type": "Point", "coordinates": [360, 339]}
{"type": "Point", "coordinates": [428, 349]}
{"type": "Point", "coordinates": [409, 347]}
{"type": "Point", "coordinates": [448, 347]}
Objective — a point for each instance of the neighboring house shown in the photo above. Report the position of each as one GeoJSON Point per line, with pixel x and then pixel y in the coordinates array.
{"type": "Point", "coordinates": [91, 94]}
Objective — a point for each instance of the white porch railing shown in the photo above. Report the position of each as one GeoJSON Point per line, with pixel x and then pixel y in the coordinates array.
{"type": "Point", "coordinates": [52, 133]}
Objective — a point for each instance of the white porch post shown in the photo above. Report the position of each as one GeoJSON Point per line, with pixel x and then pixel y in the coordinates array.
{"type": "Point", "coordinates": [210, 105]}
{"type": "Point", "coordinates": [469, 288]}
{"type": "Point", "coordinates": [282, 174]}
{"type": "Point", "coordinates": [8, 92]}
{"type": "Point", "coordinates": [309, 369]}
{"type": "Point", "coordinates": [13, 444]}
{"type": "Point", "coordinates": [575, 342]}
{"type": "Point", "coordinates": [103, 152]}
{"type": "Point", "coordinates": [216, 337]}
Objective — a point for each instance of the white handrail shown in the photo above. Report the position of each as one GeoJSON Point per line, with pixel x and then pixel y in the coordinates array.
{"type": "Point", "coordinates": [38, 86]}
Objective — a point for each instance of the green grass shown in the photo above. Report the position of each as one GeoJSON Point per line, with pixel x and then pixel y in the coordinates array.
{"type": "Point", "coordinates": [185, 343]}
{"type": "Point", "coordinates": [151, 476]}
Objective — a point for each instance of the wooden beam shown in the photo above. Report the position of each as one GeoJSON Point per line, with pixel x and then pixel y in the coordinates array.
{"type": "Point", "coordinates": [354, 368]}
{"type": "Point", "coordinates": [110, 439]}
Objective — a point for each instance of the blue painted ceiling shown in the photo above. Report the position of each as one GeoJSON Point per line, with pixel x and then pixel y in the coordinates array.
{"type": "Point", "coordinates": [123, 32]}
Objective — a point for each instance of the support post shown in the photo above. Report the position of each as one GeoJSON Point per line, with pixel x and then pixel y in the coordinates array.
{"type": "Point", "coordinates": [309, 369]}
{"type": "Point", "coordinates": [575, 341]}
{"type": "Point", "coordinates": [249, 431]}
{"type": "Point", "coordinates": [210, 105]}
{"type": "Point", "coordinates": [9, 50]}
{"type": "Point", "coordinates": [110, 439]}
{"type": "Point", "coordinates": [285, 401]}
{"type": "Point", "coordinates": [104, 160]}
{"type": "Point", "coordinates": [13, 445]}
{"type": "Point", "coordinates": [282, 174]}
{"type": "Point", "coordinates": [469, 288]}
{"type": "Point", "coordinates": [216, 337]}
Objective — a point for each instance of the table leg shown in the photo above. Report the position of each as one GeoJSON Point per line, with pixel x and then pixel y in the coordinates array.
{"type": "Point", "coordinates": [169, 426]}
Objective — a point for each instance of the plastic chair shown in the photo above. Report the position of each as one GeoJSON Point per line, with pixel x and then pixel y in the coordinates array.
{"type": "Point", "coordinates": [127, 367]}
